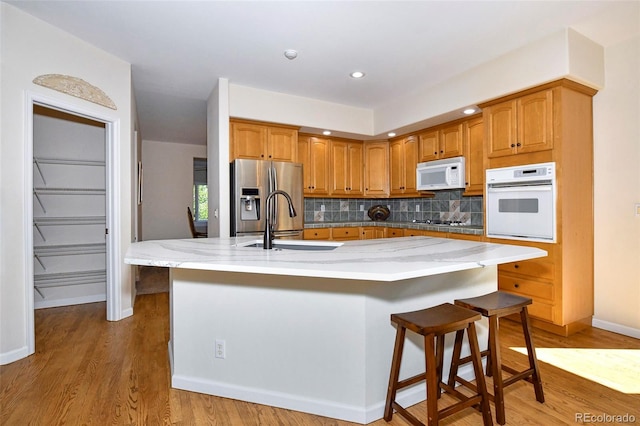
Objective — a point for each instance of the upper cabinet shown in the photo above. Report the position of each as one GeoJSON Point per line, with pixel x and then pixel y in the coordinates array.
{"type": "Point", "coordinates": [403, 161]}
{"type": "Point", "coordinates": [263, 141]}
{"type": "Point", "coordinates": [347, 171]}
{"type": "Point", "coordinates": [474, 156]}
{"type": "Point", "coordinates": [521, 125]}
{"type": "Point", "coordinates": [376, 170]}
{"type": "Point", "coordinates": [315, 155]}
{"type": "Point", "coordinates": [441, 142]}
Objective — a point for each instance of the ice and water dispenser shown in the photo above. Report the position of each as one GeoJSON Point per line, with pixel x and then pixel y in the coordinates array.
{"type": "Point", "coordinates": [250, 204]}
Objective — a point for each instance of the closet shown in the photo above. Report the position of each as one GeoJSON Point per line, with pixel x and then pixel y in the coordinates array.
{"type": "Point", "coordinates": [69, 209]}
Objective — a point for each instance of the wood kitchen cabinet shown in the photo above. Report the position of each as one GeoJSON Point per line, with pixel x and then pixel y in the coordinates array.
{"type": "Point", "coordinates": [317, 234]}
{"type": "Point", "coordinates": [263, 142]}
{"type": "Point", "coordinates": [403, 160]}
{"type": "Point", "coordinates": [315, 155]}
{"type": "Point", "coordinates": [521, 125]}
{"type": "Point", "coordinates": [346, 233]}
{"type": "Point", "coordinates": [346, 168]}
{"type": "Point", "coordinates": [553, 123]}
{"type": "Point", "coordinates": [376, 169]}
{"type": "Point", "coordinates": [473, 144]}
{"type": "Point", "coordinates": [371, 232]}
{"type": "Point", "coordinates": [441, 142]}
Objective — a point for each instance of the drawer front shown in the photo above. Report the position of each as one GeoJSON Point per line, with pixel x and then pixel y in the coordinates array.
{"type": "Point", "coordinates": [526, 287]}
{"type": "Point", "coordinates": [536, 268]}
{"type": "Point", "coordinates": [395, 232]}
{"type": "Point", "coordinates": [317, 234]}
{"type": "Point", "coordinates": [345, 233]}
{"type": "Point", "coordinates": [539, 309]}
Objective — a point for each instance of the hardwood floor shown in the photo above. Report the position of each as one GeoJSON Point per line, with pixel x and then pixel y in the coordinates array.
{"type": "Point", "coordinates": [87, 370]}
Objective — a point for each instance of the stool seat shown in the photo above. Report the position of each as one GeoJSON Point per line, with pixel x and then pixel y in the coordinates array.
{"type": "Point", "coordinates": [440, 319]}
{"type": "Point", "coordinates": [434, 323]}
{"type": "Point", "coordinates": [497, 303]}
{"type": "Point", "coordinates": [494, 306]}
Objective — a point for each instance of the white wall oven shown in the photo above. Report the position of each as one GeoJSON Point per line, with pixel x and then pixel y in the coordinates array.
{"type": "Point", "coordinates": [521, 202]}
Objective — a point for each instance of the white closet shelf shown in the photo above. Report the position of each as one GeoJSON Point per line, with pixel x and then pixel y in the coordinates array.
{"type": "Point", "coordinates": [76, 220]}
{"type": "Point", "coordinates": [69, 249]}
{"type": "Point", "coordinates": [69, 191]}
{"type": "Point", "coordinates": [63, 279]}
{"type": "Point", "coordinates": [68, 161]}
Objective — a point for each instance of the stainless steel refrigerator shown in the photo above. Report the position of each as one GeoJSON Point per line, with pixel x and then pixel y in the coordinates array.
{"type": "Point", "coordinates": [251, 182]}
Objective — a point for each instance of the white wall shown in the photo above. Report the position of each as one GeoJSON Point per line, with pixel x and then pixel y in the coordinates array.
{"type": "Point", "coordinates": [617, 189]}
{"type": "Point", "coordinates": [167, 188]}
{"type": "Point", "coordinates": [31, 48]}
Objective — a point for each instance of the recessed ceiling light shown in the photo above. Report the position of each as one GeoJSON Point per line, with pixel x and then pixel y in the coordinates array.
{"type": "Point", "coordinates": [290, 54]}
{"type": "Point", "coordinates": [391, 134]}
{"type": "Point", "coordinates": [357, 74]}
{"type": "Point", "coordinates": [469, 111]}
{"type": "Point", "coordinates": [326, 132]}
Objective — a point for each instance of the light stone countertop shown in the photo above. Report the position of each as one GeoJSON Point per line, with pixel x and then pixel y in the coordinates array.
{"type": "Point", "coordinates": [384, 259]}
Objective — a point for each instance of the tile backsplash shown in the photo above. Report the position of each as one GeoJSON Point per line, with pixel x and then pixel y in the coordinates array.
{"type": "Point", "coordinates": [446, 205]}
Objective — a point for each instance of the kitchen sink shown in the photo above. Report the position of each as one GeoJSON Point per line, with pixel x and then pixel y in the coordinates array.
{"type": "Point", "coordinates": [295, 245]}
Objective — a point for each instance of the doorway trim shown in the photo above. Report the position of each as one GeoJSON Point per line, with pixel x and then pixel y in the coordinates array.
{"type": "Point", "coordinates": [112, 204]}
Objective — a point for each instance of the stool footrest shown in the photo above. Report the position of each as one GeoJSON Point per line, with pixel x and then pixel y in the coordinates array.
{"type": "Point", "coordinates": [517, 375]}
{"type": "Point", "coordinates": [407, 415]}
{"type": "Point", "coordinates": [411, 380]}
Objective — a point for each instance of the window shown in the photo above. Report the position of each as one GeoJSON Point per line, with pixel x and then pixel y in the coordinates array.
{"type": "Point", "coordinates": [200, 190]}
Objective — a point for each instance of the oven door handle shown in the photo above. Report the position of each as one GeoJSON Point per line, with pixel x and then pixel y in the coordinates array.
{"type": "Point", "coordinates": [523, 188]}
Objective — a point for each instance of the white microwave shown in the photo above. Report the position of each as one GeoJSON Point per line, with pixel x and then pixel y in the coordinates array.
{"type": "Point", "coordinates": [440, 174]}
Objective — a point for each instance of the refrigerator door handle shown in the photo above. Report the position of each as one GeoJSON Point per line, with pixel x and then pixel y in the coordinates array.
{"type": "Point", "coordinates": [274, 201]}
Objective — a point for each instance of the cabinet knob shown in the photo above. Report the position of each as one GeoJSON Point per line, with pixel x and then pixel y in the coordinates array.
{"type": "Point", "coordinates": [513, 145]}
{"type": "Point", "coordinates": [441, 152]}
{"type": "Point", "coordinates": [516, 266]}
{"type": "Point", "coordinates": [516, 285]}
{"type": "Point", "coordinates": [435, 153]}
{"type": "Point", "coordinates": [518, 144]}
{"type": "Point", "coordinates": [261, 155]}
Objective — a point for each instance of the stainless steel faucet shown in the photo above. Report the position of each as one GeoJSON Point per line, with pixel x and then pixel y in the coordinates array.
{"type": "Point", "coordinates": [267, 242]}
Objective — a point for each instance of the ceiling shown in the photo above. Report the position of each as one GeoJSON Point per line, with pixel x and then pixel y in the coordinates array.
{"type": "Point", "coordinates": [178, 49]}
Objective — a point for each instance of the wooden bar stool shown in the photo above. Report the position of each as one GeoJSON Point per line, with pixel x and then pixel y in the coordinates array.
{"type": "Point", "coordinates": [494, 306]}
{"type": "Point", "coordinates": [433, 324]}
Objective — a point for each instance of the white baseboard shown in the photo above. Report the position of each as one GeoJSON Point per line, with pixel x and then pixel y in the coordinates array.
{"type": "Point", "coordinates": [53, 303]}
{"type": "Point", "coordinates": [357, 414]}
{"type": "Point", "coordinates": [15, 355]}
{"type": "Point", "coordinates": [616, 328]}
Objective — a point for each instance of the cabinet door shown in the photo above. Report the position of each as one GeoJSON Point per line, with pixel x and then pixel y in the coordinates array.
{"type": "Point", "coordinates": [320, 162]}
{"type": "Point", "coordinates": [396, 167]}
{"type": "Point", "coordinates": [339, 167]}
{"type": "Point", "coordinates": [356, 174]}
{"type": "Point", "coordinates": [248, 141]}
{"type": "Point", "coordinates": [304, 156]}
{"type": "Point", "coordinates": [410, 150]}
{"type": "Point", "coordinates": [376, 169]}
{"type": "Point", "coordinates": [451, 141]}
{"type": "Point", "coordinates": [500, 129]}
{"type": "Point", "coordinates": [535, 122]}
{"type": "Point", "coordinates": [371, 232]}
{"type": "Point", "coordinates": [429, 145]}
{"type": "Point", "coordinates": [473, 151]}
{"type": "Point", "coordinates": [282, 144]}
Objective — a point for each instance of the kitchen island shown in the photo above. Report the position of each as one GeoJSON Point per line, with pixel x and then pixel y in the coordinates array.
{"type": "Point", "coordinates": [308, 328]}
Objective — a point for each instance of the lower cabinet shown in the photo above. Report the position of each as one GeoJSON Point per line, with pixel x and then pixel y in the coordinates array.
{"type": "Point", "coordinates": [343, 234]}
{"type": "Point", "coordinates": [317, 234]}
{"type": "Point", "coordinates": [535, 278]}
{"type": "Point", "coordinates": [371, 232]}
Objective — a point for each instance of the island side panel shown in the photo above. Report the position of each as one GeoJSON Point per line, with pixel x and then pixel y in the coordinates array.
{"type": "Point", "coordinates": [294, 342]}
{"type": "Point", "coordinates": [316, 345]}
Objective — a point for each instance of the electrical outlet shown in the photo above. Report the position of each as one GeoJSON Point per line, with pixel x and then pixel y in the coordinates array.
{"type": "Point", "coordinates": [361, 207]}
{"type": "Point", "coordinates": [321, 207]}
{"type": "Point", "coordinates": [221, 350]}
{"type": "Point", "coordinates": [417, 208]}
